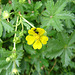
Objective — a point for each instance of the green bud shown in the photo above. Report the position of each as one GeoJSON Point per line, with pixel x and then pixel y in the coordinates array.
{"type": "Point", "coordinates": [7, 59]}
{"type": "Point", "coordinates": [17, 40]}
{"type": "Point", "coordinates": [13, 55]}
{"type": "Point", "coordinates": [5, 14]}
{"type": "Point", "coordinates": [15, 71]}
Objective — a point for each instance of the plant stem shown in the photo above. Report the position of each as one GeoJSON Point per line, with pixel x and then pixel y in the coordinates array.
{"type": "Point", "coordinates": [26, 21]}
{"type": "Point", "coordinates": [15, 34]}
{"type": "Point", "coordinates": [52, 67]}
{"type": "Point", "coordinates": [7, 19]}
{"type": "Point", "coordinates": [21, 23]}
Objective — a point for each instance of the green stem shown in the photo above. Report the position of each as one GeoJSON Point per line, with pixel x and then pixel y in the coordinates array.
{"type": "Point", "coordinates": [21, 23]}
{"type": "Point", "coordinates": [26, 21]}
{"type": "Point", "coordinates": [7, 19]}
{"type": "Point", "coordinates": [15, 34]}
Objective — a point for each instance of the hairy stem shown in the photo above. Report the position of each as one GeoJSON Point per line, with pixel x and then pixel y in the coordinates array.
{"type": "Point", "coordinates": [15, 33]}
{"type": "Point", "coordinates": [26, 21]}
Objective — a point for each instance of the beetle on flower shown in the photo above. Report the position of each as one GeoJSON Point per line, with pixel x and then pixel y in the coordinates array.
{"type": "Point", "coordinates": [36, 37]}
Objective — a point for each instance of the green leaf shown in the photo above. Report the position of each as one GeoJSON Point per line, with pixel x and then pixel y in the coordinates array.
{"type": "Point", "coordinates": [38, 5]}
{"type": "Point", "coordinates": [59, 6]}
{"type": "Point", "coordinates": [3, 64]}
{"type": "Point", "coordinates": [65, 58]}
{"type": "Point", "coordinates": [4, 53]}
{"type": "Point", "coordinates": [7, 6]}
{"type": "Point", "coordinates": [26, 25]}
{"type": "Point", "coordinates": [38, 66]}
{"type": "Point", "coordinates": [8, 27]}
{"type": "Point", "coordinates": [65, 15]}
{"type": "Point", "coordinates": [72, 38]}
{"type": "Point", "coordinates": [56, 23]}
{"type": "Point", "coordinates": [53, 49]}
{"type": "Point", "coordinates": [63, 37]}
{"type": "Point", "coordinates": [19, 57]}
{"type": "Point", "coordinates": [1, 29]}
{"type": "Point", "coordinates": [50, 6]}
{"type": "Point", "coordinates": [68, 23]}
{"type": "Point", "coordinates": [29, 49]}
{"type": "Point", "coordinates": [25, 66]}
{"type": "Point", "coordinates": [14, 4]}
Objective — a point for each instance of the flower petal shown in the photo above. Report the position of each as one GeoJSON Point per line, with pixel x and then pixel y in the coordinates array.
{"type": "Point", "coordinates": [37, 45]}
{"type": "Point", "coordinates": [41, 31]}
{"type": "Point", "coordinates": [32, 32]}
{"type": "Point", "coordinates": [44, 39]}
{"type": "Point", "coordinates": [30, 39]}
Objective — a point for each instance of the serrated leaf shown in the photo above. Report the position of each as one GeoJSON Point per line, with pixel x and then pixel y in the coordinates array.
{"type": "Point", "coordinates": [59, 6]}
{"type": "Point", "coordinates": [8, 27]}
{"type": "Point", "coordinates": [19, 57]}
{"type": "Point", "coordinates": [72, 38]}
{"type": "Point", "coordinates": [53, 49]}
{"type": "Point", "coordinates": [65, 15]}
{"type": "Point", "coordinates": [63, 37]}
{"type": "Point", "coordinates": [38, 5]}
{"type": "Point", "coordinates": [56, 23]}
{"type": "Point", "coordinates": [4, 53]}
{"type": "Point", "coordinates": [50, 6]}
{"type": "Point", "coordinates": [65, 59]}
{"type": "Point", "coordinates": [68, 23]}
{"type": "Point", "coordinates": [29, 49]}
{"type": "Point", "coordinates": [1, 29]}
{"type": "Point", "coordinates": [7, 6]}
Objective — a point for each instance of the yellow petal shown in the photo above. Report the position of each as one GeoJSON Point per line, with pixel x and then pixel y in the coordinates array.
{"type": "Point", "coordinates": [30, 39]}
{"type": "Point", "coordinates": [33, 29]}
{"type": "Point", "coordinates": [32, 32]}
{"type": "Point", "coordinates": [41, 31]}
{"type": "Point", "coordinates": [37, 45]}
{"type": "Point", "coordinates": [44, 39]}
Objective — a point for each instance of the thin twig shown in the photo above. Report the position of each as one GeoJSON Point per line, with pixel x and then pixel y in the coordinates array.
{"type": "Point", "coordinates": [29, 1]}
{"type": "Point", "coordinates": [52, 67]}
{"type": "Point", "coordinates": [26, 21]}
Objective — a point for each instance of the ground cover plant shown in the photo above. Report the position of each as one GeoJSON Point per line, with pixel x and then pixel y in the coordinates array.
{"type": "Point", "coordinates": [37, 37]}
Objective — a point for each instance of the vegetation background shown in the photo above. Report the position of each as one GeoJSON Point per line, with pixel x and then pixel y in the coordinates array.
{"type": "Point", "coordinates": [57, 17]}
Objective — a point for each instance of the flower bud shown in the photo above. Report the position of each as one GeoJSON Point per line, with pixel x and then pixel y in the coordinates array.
{"type": "Point", "coordinates": [5, 14]}
{"type": "Point", "coordinates": [17, 40]}
{"type": "Point", "coordinates": [15, 71]}
{"type": "Point", "coordinates": [7, 59]}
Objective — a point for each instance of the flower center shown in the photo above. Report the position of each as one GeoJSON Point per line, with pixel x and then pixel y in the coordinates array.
{"type": "Point", "coordinates": [37, 37]}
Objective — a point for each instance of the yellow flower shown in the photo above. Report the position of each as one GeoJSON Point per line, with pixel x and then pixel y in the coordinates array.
{"type": "Point", "coordinates": [36, 37]}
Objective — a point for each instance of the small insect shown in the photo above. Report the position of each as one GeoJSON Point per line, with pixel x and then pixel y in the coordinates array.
{"type": "Point", "coordinates": [36, 31]}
